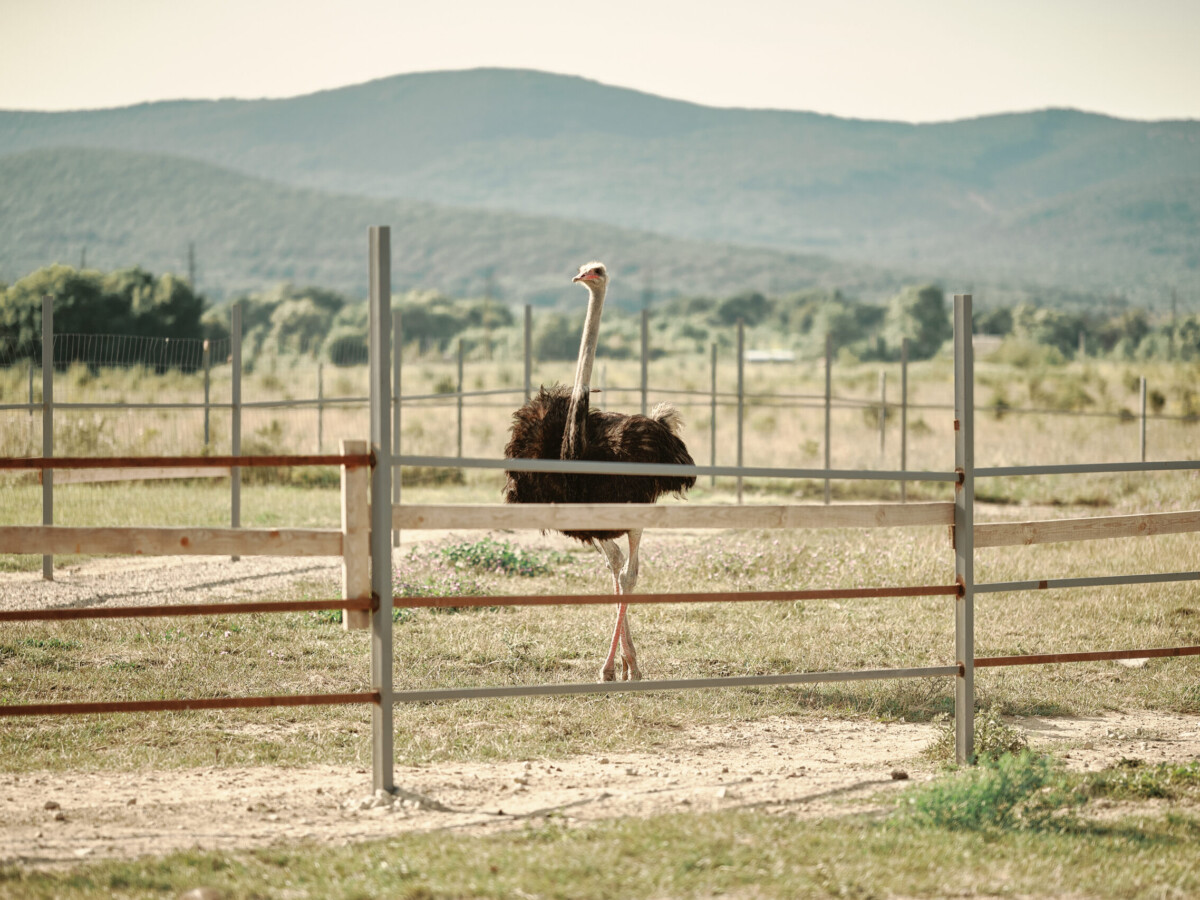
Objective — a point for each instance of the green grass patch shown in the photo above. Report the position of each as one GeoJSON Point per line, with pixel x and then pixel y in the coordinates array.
{"type": "Point", "coordinates": [740, 854]}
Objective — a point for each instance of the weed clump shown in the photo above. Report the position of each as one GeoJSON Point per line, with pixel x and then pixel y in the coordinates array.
{"type": "Point", "coordinates": [994, 737]}
{"type": "Point", "coordinates": [497, 557]}
{"type": "Point", "coordinates": [1015, 791]}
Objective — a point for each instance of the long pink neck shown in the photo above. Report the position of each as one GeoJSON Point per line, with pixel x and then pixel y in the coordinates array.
{"type": "Point", "coordinates": [574, 443]}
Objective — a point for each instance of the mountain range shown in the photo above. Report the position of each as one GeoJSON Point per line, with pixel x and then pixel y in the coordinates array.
{"type": "Point", "coordinates": [1053, 197]}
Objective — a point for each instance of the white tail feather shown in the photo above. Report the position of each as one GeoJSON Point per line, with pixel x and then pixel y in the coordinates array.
{"type": "Point", "coordinates": [668, 415]}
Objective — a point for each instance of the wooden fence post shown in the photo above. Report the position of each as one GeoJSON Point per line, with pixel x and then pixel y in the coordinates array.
{"type": "Point", "coordinates": [356, 533]}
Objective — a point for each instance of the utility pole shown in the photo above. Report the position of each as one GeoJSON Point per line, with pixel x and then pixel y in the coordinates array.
{"type": "Point", "coordinates": [192, 265]}
{"type": "Point", "coordinates": [83, 258]}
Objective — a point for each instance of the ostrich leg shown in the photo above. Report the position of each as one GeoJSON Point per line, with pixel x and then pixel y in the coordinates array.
{"type": "Point", "coordinates": [616, 560]}
{"type": "Point", "coordinates": [628, 581]}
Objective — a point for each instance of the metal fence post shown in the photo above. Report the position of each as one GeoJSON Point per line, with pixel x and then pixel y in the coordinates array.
{"type": "Point", "coordinates": [964, 531]}
{"type": "Point", "coordinates": [904, 417]}
{"type": "Point", "coordinates": [528, 352]}
{"type": "Point", "coordinates": [397, 344]}
{"type": "Point", "coordinates": [382, 774]}
{"type": "Point", "coordinates": [207, 389]}
{"type": "Point", "coordinates": [828, 408]}
{"type": "Point", "coordinates": [882, 411]}
{"type": "Point", "coordinates": [320, 406]}
{"type": "Point", "coordinates": [645, 356]}
{"type": "Point", "coordinates": [48, 423]}
{"type": "Point", "coordinates": [459, 401]}
{"type": "Point", "coordinates": [1143, 416]}
{"type": "Point", "coordinates": [235, 427]}
{"type": "Point", "coordinates": [741, 397]}
{"type": "Point", "coordinates": [712, 419]}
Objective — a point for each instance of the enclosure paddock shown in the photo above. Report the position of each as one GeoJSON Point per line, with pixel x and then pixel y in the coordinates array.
{"type": "Point", "coordinates": [370, 513]}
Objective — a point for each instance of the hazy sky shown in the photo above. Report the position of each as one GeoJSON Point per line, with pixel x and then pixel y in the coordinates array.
{"type": "Point", "coordinates": [915, 60]}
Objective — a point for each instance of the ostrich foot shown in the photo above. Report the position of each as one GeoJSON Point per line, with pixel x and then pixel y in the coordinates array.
{"type": "Point", "coordinates": [630, 670]}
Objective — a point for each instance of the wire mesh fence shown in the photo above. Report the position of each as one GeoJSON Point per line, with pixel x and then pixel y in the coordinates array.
{"type": "Point", "coordinates": [136, 394]}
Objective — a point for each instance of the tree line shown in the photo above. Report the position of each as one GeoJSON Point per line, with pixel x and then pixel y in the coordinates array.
{"type": "Point", "coordinates": [291, 321]}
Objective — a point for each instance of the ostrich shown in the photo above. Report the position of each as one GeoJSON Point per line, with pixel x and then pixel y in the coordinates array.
{"type": "Point", "coordinates": [558, 424]}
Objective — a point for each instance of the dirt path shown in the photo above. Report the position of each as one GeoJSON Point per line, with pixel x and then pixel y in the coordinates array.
{"type": "Point", "coordinates": [804, 768]}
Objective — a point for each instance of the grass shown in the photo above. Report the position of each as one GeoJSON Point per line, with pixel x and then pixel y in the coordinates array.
{"type": "Point", "coordinates": [740, 854]}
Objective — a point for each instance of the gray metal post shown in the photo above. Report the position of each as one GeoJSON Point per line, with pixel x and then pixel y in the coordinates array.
{"type": "Point", "coordinates": [964, 531]}
{"type": "Point", "coordinates": [397, 344]}
{"type": "Point", "coordinates": [712, 418]}
{"type": "Point", "coordinates": [459, 401]}
{"type": "Point", "coordinates": [1143, 417]}
{"type": "Point", "coordinates": [235, 426]}
{"type": "Point", "coordinates": [904, 417]}
{"type": "Point", "coordinates": [320, 406]}
{"type": "Point", "coordinates": [645, 356]}
{"type": "Point", "coordinates": [48, 423]}
{"type": "Point", "coordinates": [882, 411]}
{"type": "Point", "coordinates": [741, 394]}
{"type": "Point", "coordinates": [207, 389]}
{"type": "Point", "coordinates": [380, 253]}
{"type": "Point", "coordinates": [528, 352]}
{"type": "Point", "coordinates": [828, 407]}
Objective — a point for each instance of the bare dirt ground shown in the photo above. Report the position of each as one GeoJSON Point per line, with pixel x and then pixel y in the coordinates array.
{"type": "Point", "coordinates": [811, 768]}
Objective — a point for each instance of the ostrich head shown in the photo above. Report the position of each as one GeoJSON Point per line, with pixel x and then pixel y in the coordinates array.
{"type": "Point", "coordinates": [591, 275]}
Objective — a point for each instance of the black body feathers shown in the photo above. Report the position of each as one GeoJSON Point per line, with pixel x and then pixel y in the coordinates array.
{"type": "Point", "coordinates": [537, 433]}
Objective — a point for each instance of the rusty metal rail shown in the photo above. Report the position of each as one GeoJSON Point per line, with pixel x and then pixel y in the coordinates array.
{"type": "Point", "coordinates": [121, 706]}
{"type": "Point", "coordinates": [182, 462]}
{"type": "Point", "coordinates": [951, 590]}
{"type": "Point", "coordinates": [989, 662]}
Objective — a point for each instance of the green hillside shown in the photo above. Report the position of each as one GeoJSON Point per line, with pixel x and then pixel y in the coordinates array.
{"type": "Point", "coordinates": [967, 199]}
{"type": "Point", "coordinates": [138, 209]}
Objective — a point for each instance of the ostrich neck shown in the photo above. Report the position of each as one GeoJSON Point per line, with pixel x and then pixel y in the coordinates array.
{"type": "Point", "coordinates": [591, 336]}
{"type": "Point", "coordinates": [575, 434]}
